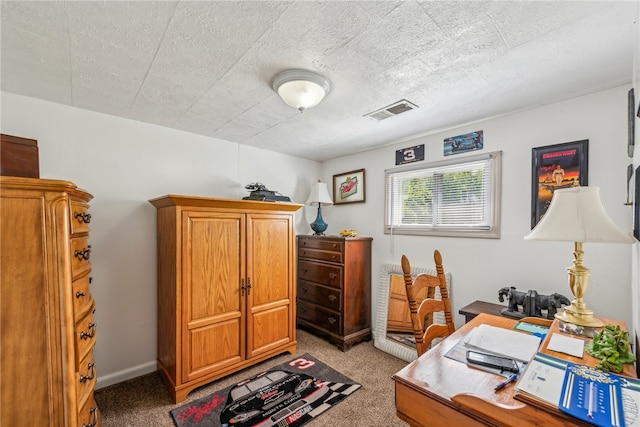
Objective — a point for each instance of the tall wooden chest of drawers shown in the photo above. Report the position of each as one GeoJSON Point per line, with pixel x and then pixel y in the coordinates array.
{"type": "Point", "coordinates": [334, 288]}
{"type": "Point", "coordinates": [47, 371]}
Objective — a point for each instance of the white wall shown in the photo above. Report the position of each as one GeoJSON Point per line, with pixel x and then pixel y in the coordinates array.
{"type": "Point", "coordinates": [479, 267]}
{"type": "Point", "coordinates": [124, 163]}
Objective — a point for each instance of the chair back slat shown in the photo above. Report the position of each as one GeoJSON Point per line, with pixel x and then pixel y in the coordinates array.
{"type": "Point", "coordinates": [422, 310]}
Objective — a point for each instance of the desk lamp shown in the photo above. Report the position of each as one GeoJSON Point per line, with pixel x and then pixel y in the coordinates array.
{"type": "Point", "coordinates": [577, 215]}
{"type": "Point", "coordinates": [320, 195]}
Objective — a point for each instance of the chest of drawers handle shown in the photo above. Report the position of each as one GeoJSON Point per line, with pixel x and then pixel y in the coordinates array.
{"type": "Point", "coordinates": [79, 294]}
{"type": "Point", "coordinates": [83, 254]}
{"type": "Point", "coordinates": [332, 320]}
{"type": "Point", "coordinates": [94, 412]}
{"type": "Point", "coordinates": [332, 298]}
{"type": "Point", "coordinates": [84, 378]}
{"type": "Point", "coordinates": [87, 335]}
{"type": "Point", "coordinates": [84, 217]}
{"type": "Point", "coordinates": [332, 275]}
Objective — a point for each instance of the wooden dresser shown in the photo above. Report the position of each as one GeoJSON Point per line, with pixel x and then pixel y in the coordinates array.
{"type": "Point", "coordinates": [47, 371]}
{"type": "Point", "coordinates": [334, 288]}
{"type": "Point", "coordinates": [226, 287]}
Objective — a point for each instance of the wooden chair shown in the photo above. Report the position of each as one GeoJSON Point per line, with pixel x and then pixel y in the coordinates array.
{"type": "Point", "coordinates": [422, 309]}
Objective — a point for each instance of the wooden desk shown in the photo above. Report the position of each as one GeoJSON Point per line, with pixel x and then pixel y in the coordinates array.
{"type": "Point", "coordinates": [437, 391]}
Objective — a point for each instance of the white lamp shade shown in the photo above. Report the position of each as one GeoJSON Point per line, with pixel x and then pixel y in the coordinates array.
{"type": "Point", "coordinates": [301, 89]}
{"type": "Point", "coordinates": [577, 215]}
{"type": "Point", "coordinates": [319, 195]}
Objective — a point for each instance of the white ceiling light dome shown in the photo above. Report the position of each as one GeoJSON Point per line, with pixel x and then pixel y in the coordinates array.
{"type": "Point", "coordinates": [301, 89]}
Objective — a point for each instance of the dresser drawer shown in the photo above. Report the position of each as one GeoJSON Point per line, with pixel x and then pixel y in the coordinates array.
{"type": "Point", "coordinates": [86, 378]}
{"type": "Point", "coordinates": [80, 217]}
{"type": "Point", "coordinates": [80, 253]}
{"type": "Point", "coordinates": [325, 274]}
{"type": "Point", "coordinates": [321, 295]}
{"type": "Point", "coordinates": [321, 255]}
{"type": "Point", "coordinates": [85, 337]}
{"type": "Point", "coordinates": [322, 244]}
{"type": "Point", "coordinates": [88, 414]}
{"type": "Point", "coordinates": [320, 317]}
{"type": "Point", "coordinates": [82, 299]}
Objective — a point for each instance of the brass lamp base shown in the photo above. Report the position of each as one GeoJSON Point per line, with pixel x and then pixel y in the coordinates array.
{"type": "Point", "coordinates": [582, 319]}
{"type": "Point", "coordinates": [578, 313]}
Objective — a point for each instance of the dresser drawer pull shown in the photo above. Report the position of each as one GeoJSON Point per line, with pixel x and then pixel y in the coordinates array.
{"type": "Point", "coordinates": [333, 257]}
{"type": "Point", "coordinates": [83, 254]}
{"type": "Point", "coordinates": [94, 412]}
{"type": "Point", "coordinates": [84, 378]}
{"type": "Point", "coordinates": [332, 276]}
{"type": "Point", "coordinates": [332, 297]}
{"type": "Point", "coordinates": [85, 217]}
{"type": "Point", "coordinates": [332, 320]}
{"type": "Point", "coordinates": [87, 335]}
{"type": "Point", "coordinates": [79, 294]}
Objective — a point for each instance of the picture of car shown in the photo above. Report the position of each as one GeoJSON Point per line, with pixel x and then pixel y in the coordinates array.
{"type": "Point", "coordinates": [461, 143]}
{"type": "Point", "coordinates": [465, 144]}
{"type": "Point", "coordinates": [272, 397]}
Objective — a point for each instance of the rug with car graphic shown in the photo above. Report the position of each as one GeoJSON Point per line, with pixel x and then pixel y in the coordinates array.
{"type": "Point", "coordinates": [290, 394]}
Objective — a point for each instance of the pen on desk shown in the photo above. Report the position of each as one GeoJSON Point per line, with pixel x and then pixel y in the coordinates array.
{"type": "Point", "coordinates": [509, 379]}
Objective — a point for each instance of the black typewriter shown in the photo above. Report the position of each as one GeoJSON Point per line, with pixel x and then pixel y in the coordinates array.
{"type": "Point", "coordinates": [260, 192]}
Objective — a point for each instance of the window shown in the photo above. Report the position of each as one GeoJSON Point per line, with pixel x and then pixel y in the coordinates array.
{"type": "Point", "coordinates": [458, 197]}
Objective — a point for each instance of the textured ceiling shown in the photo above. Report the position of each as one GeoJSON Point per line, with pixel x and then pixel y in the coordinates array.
{"type": "Point", "coordinates": [205, 67]}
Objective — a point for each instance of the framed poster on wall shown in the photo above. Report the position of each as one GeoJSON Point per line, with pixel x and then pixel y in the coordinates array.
{"type": "Point", "coordinates": [554, 167]}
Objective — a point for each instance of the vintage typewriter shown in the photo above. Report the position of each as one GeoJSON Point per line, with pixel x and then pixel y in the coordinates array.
{"type": "Point", "coordinates": [260, 192]}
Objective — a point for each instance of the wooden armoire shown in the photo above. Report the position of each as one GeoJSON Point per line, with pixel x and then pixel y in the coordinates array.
{"type": "Point", "coordinates": [47, 370]}
{"type": "Point", "coordinates": [226, 287]}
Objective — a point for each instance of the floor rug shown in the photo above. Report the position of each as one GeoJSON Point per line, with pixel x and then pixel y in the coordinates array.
{"type": "Point", "coordinates": [290, 394]}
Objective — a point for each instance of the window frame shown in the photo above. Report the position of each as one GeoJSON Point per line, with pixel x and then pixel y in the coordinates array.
{"type": "Point", "coordinates": [493, 232]}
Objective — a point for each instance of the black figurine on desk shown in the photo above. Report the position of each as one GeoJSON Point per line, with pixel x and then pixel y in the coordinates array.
{"type": "Point", "coordinates": [531, 303]}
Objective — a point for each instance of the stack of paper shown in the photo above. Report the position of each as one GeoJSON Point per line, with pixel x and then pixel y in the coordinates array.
{"type": "Point", "coordinates": [502, 342]}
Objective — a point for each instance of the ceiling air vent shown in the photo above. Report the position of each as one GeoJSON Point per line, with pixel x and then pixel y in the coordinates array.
{"type": "Point", "coordinates": [392, 110]}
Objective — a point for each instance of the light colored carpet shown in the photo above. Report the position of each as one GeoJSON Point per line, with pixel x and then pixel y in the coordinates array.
{"type": "Point", "coordinates": [144, 401]}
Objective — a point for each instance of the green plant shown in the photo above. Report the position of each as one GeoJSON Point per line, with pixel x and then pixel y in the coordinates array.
{"type": "Point", "coordinates": [611, 346]}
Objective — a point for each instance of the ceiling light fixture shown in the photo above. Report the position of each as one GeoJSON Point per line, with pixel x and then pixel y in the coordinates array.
{"type": "Point", "coordinates": [301, 89]}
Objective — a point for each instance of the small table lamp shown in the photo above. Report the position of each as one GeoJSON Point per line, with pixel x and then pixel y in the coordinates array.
{"type": "Point", "coordinates": [320, 195]}
{"type": "Point", "coordinates": [577, 215]}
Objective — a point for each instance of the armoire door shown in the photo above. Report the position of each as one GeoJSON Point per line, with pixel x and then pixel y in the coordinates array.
{"type": "Point", "coordinates": [270, 293]}
{"type": "Point", "coordinates": [213, 306]}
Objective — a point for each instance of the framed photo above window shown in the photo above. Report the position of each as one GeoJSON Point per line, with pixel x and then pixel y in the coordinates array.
{"type": "Point", "coordinates": [348, 187]}
{"type": "Point", "coordinates": [458, 197]}
{"type": "Point", "coordinates": [554, 167]}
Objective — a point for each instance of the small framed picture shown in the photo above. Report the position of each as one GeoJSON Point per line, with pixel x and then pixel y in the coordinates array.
{"type": "Point", "coordinates": [348, 187]}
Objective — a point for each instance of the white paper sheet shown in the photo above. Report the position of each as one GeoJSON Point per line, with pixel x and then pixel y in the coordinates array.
{"type": "Point", "coordinates": [565, 344]}
{"type": "Point", "coordinates": [503, 342]}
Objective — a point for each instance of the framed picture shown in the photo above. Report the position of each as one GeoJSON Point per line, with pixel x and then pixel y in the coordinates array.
{"type": "Point", "coordinates": [462, 143]}
{"type": "Point", "coordinates": [636, 206]}
{"type": "Point", "coordinates": [348, 187]}
{"type": "Point", "coordinates": [631, 101]}
{"type": "Point", "coordinates": [554, 167]}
